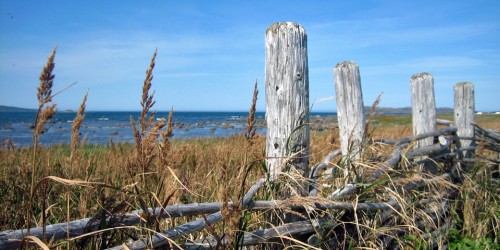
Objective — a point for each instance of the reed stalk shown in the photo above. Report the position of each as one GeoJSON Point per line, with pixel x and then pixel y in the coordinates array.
{"type": "Point", "coordinates": [164, 146]}
{"type": "Point", "coordinates": [250, 133]}
{"type": "Point", "coordinates": [75, 128]}
{"type": "Point", "coordinates": [44, 96]}
{"type": "Point", "coordinates": [145, 140]}
{"type": "Point", "coordinates": [146, 134]}
{"type": "Point", "coordinates": [44, 113]}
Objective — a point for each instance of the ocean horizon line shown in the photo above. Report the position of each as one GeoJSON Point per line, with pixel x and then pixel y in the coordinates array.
{"type": "Point", "coordinates": [5, 108]}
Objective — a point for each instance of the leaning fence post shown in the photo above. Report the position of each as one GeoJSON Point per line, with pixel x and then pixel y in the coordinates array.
{"type": "Point", "coordinates": [350, 111]}
{"type": "Point", "coordinates": [464, 115]}
{"type": "Point", "coordinates": [287, 99]}
{"type": "Point", "coordinates": [423, 110]}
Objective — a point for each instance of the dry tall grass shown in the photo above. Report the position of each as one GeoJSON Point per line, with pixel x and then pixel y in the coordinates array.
{"type": "Point", "coordinates": [75, 128]}
{"type": "Point", "coordinates": [44, 113]}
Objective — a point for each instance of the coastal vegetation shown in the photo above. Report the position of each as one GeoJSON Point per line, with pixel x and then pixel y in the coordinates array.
{"type": "Point", "coordinates": [44, 185]}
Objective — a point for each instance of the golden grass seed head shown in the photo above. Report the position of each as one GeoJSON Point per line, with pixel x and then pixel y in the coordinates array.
{"type": "Point", "coordinates": [46, 80]}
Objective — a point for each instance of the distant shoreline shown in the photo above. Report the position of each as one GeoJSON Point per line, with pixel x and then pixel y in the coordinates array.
{"type": "Point", "coordinates": [380, 110]}
{"type": "Point", "coordinates": [15, 109]}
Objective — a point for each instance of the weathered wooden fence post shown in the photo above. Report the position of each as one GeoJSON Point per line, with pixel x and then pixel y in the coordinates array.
{"type": "Point", "coordinates": [287, 99]}
{"type": "Point", "coordinates": [423, 110]}
{"type": "Point", "coordinates": [464, 115]}
{"type": "Point", "coordinates": [423, 106]}
{"type": "Point", "coordinates": [350, 111]}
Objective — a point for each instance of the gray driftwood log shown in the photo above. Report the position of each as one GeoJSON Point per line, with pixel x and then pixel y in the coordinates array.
{"type": "Point", "coordinates": [165, 237]}
{"type": "Point", "coordinates": [430, 149]}
{"type": "Point", "coordinates": [11, 239]}
{"type": "Point", "coordinates": [267, 235]}
{"type": "Point", "coordinates": [390, 163]}
{"type": "Point", "coordinates": [291, 229]}
{"type": "Point", "coordinates": [432, 134]}
{"type": "Point", "coordinates": [315, 171]}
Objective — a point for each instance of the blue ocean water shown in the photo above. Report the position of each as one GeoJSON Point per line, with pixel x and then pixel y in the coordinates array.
{"type": "Point", "coordinates": [101, 127]}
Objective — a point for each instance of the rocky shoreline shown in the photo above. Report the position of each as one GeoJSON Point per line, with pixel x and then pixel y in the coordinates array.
{"type": "Point", "coordinates": [317, 122]}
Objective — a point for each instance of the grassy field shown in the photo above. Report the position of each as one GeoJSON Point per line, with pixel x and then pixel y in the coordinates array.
{"type": "Point", "coordinates": [488, 120]}
{"type": "Point", "coordinates": [110, 177]}
{"type": "Point", "coordinates": [45, 185]}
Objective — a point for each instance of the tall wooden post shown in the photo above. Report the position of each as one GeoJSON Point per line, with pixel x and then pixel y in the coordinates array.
{"type": "Point", "coordinates": [423, 106]}
{"type": "Point", "coordinates": [287, 99]}
{"type": "Point", "coordinates": [350, 111]}
{"type": "Point", "coordinates": [464, 114]}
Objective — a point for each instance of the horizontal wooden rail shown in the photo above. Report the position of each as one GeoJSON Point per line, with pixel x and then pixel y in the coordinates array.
{"type": "Point", "coordinates": [163, 238]}
{"type": "Point", "coordinates": [264, 235]}
{"type": "Point", "coordinates": [444, 131]}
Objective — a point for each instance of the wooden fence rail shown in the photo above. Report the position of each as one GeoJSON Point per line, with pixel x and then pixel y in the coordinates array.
{"type": "Point", "coordinates": [287, 114]}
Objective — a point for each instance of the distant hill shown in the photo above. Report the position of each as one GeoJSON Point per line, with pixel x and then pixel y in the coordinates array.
{"type": "Point", "coordinates": [15, 109]}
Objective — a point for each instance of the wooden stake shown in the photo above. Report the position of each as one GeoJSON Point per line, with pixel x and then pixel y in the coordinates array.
{"type": "Point", "coordinates": [464, 114]}
{"type": "Point", "coordinates": [287, 99]}
{"type": "Point", "coordinates": [423, 113]}
{"type": "Point", "coordinates": [350, 113]}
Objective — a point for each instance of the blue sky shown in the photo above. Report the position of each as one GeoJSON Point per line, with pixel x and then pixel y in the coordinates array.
{"type": "Point", "coordinates": [211, 52]}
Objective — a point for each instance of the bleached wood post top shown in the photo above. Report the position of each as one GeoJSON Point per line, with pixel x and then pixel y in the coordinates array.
{"type": "Point", "coordinates": [284, 26]}
{"type": "Point", "coordinates": [287, 98]}
{"type": "Point", "coordinates": [421, 75]}
{"type": "Point", "coordinates": [346, 64]}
